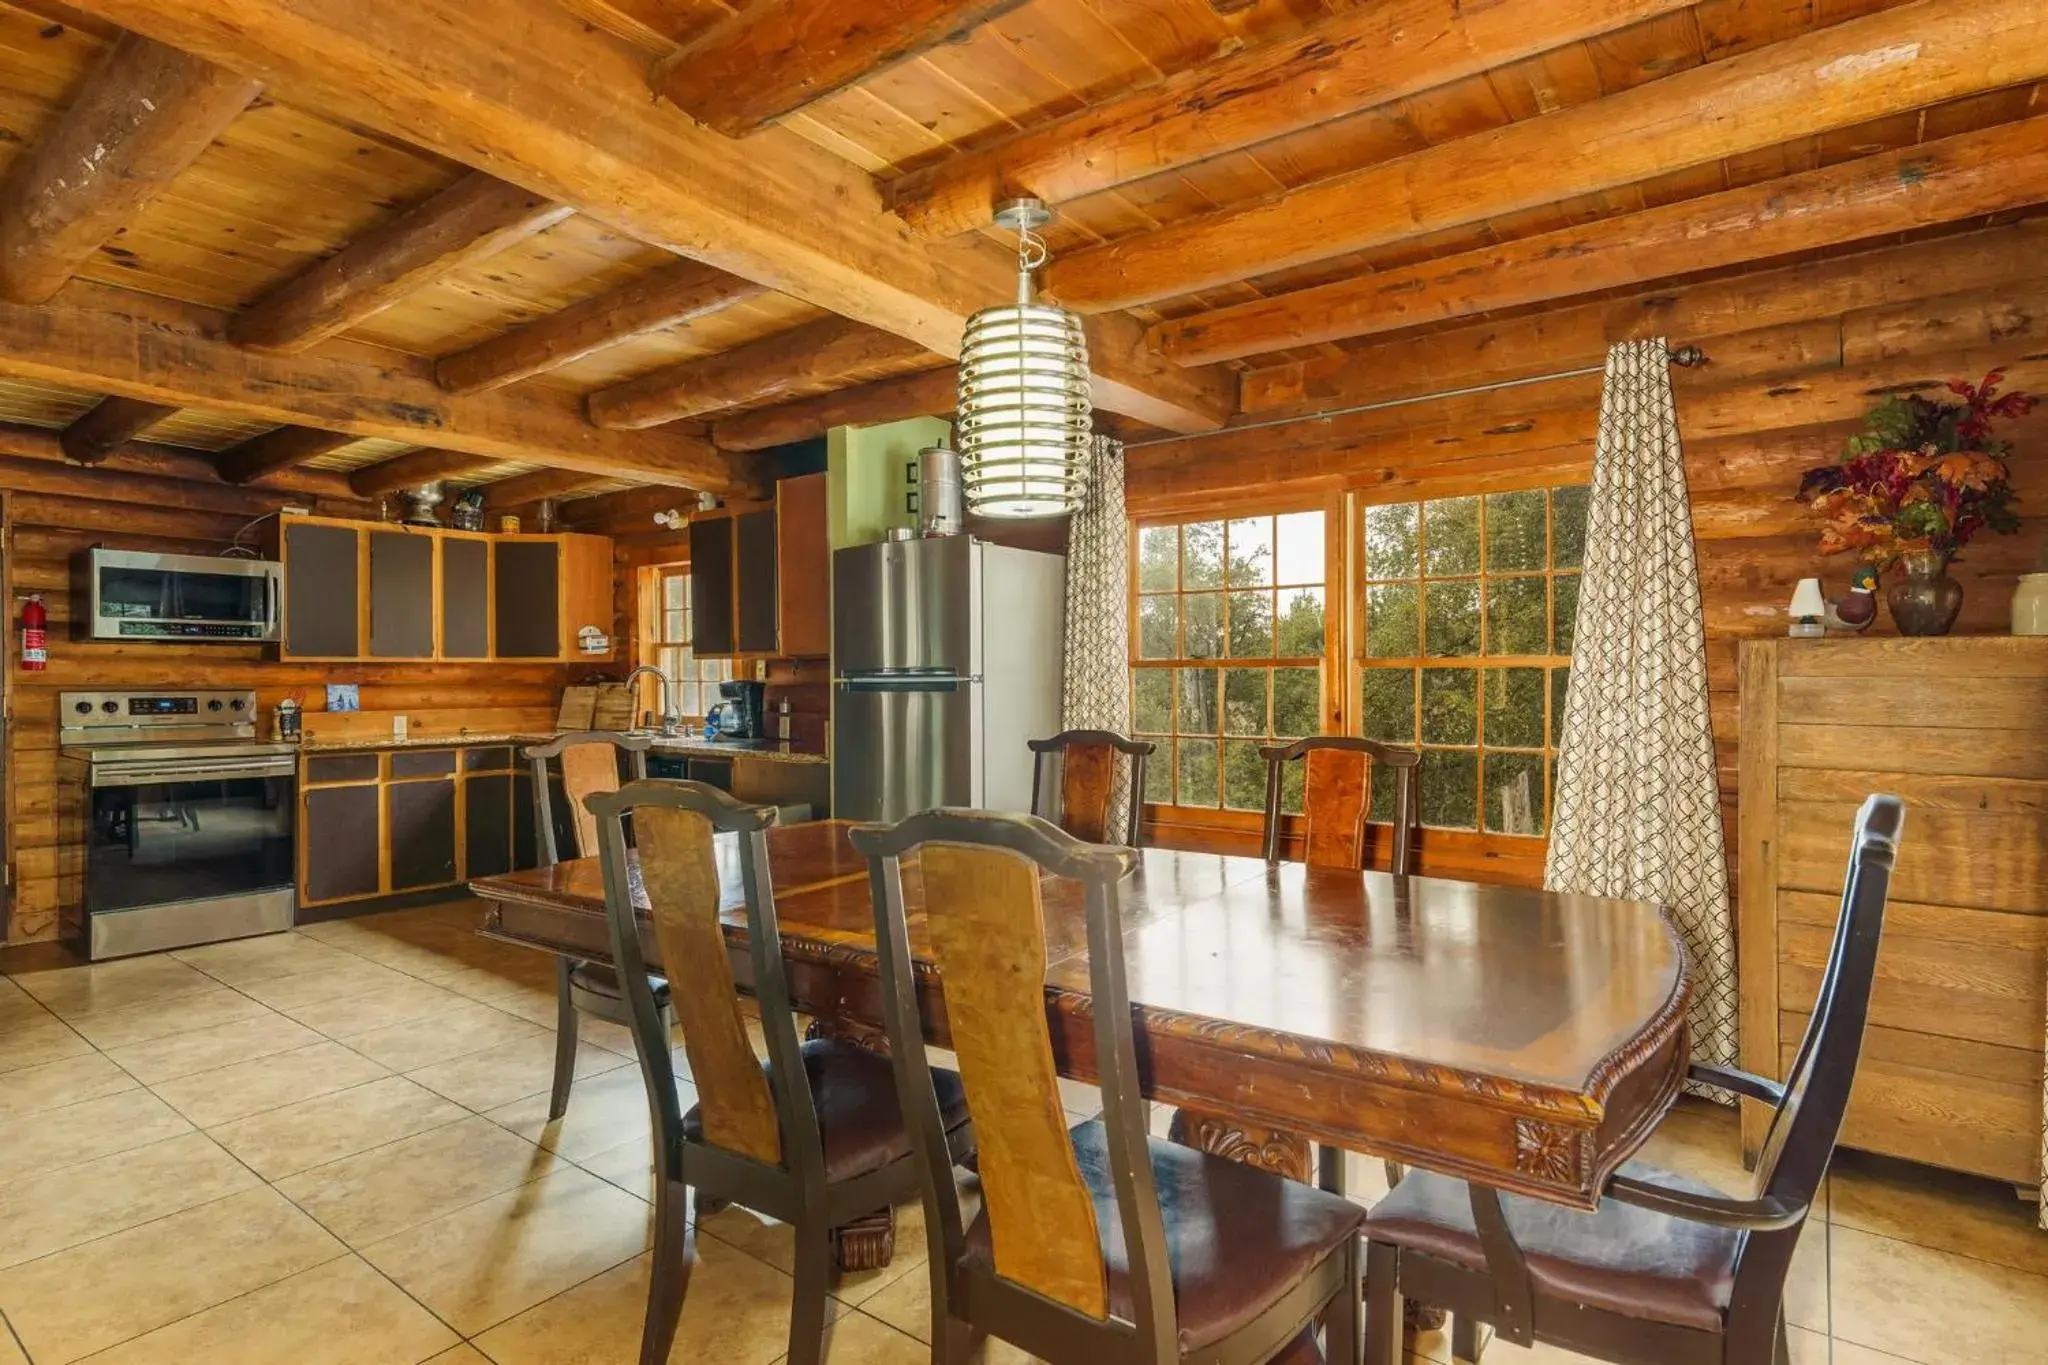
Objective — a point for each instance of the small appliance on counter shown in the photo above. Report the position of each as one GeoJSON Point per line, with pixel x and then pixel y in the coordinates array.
{"type": "Point", "coordinates": [739, 715]}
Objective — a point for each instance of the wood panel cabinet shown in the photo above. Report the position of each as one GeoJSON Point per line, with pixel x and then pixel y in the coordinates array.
{"type": "Point", "coordinates": [760, 577]}
{"type": "Point", "coordinates": [526, 578]}
{"type": "Point", "coordinates": [402, 603]}
{"type": "Point", "coordinates": [803, 568]}
{"type": "Point", "coordinates": [423, 847]}
{"type": "Point", "coordinates": [340, 854]}
{"type": "Point", "coordinates": [1952, 1063]}
{"type": "Point", "coordinates": [322, 590]}
{"type": "Point", "coordinates": [754, 577]}
{"type": "Point", "coordinates": [712, 623]}
{"type": "Point", "coordinates": [465, 597]}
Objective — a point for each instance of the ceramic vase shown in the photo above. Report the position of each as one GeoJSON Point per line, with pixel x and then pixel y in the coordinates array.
{"type": "Point", "coordinates": [1926, 600]}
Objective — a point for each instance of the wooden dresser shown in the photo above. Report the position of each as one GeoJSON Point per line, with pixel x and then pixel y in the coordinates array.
{"type": "Point", "coordinates": [1952, 1064]}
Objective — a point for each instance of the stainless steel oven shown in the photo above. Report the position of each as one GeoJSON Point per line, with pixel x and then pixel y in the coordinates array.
{"type": "Point", "coordinates": [130, 595]}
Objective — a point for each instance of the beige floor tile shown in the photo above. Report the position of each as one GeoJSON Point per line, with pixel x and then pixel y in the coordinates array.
{"type": "Point", "coordinates": [17, 1004]}
{"type": "Point", "coordinates": [95, 1198]}
{"type": "Point", "coordinates": [379, 1193]}
{"type": "Point", "coordinates": [234, 1092]}
{"type": "Point", "coordinates": [53, 1085]}
{"type": "Point", "coordinates": [858, 1339]}
{"type": "Point", "coordinates": [35, 1040]}
{"type": "Point", "coordinates": [160, 1019]}
{"type": "Point", "coordinates": [283, 1142]}
{"type": "Point", "coordinates": [1806, 1283]}
{"type": "Point", "coordinates": [526, 981]}
{"type": "Point", "coordinates": [773, 1242]}
{"type": "Point", "coordinates": [1849, 1353]}
{"type": "Point", "coordinates": [343, 1016]}
{"type": "Point", "coordinates": [112, 985]}
{"type": "Point", "coordinates": [56, 1138]}
{"type": "Point", "coordinates": [496, 1076]}
{"type": "Point", "coordinates": [464, 1028]}
{"type": "Point", "coordinates": [1939, 1209]}
{"type": "Point", "coordinates": [1704, 1141]}
{"type": "Point", "coordinates": [605, 1111]}
{"type": "Point", "coordinates": [340, 1313]}
{"type": "Point", "coordinates": [348, 975]}
{"type": "Point", "coordinates": [630, 1166]}
{"type": "Point", "coordinates": [1933, 1306]}
{"type": "Point", "coordinates": [1808, 1348]}
{"type": "Point", "coordinates": [480, 1265]}
{"type": "Point", "coordinates": [93, 1296]}
{"type": "Point", "coordinates": [210, 1049]}
{"type": "Point", "coordinates": [464, 1354]}
{"type": "Point", "coordinates": [10, 1349]}
{"type": "Point", "coordinates": [247, 961]}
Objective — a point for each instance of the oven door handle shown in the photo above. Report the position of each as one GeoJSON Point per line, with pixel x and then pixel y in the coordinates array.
{"type": "Point", "coordinates": [157, 774]}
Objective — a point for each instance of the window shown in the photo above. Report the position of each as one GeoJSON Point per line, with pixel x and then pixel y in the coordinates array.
{"type": "Point", "coordinates": [1229, 642]}
{"type": "Point", "coordinates": [1468, 607]}
{"type": "Point", "coordinates": [668, 648]}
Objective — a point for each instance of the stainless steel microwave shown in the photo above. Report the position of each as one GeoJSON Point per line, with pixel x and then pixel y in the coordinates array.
{"type": "Point", "coordinates": [130, 595]}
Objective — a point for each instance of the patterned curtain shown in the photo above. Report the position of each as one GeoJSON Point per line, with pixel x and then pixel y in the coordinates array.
{"type": "Point", "coordinates": [1638, 808]}
{"type": "Point", "coordinates": [1097, 691]}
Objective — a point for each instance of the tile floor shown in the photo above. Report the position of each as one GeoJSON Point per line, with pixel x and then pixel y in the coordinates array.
{"type": "Point", "coordinates": [331, 1147]}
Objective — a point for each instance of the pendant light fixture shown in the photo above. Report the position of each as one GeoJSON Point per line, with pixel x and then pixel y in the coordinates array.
{"type": "Point", "coordinates": [1025, 418]}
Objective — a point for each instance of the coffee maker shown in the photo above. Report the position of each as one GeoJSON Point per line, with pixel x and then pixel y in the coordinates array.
{"type": "Point", "coordinates": [739, 715]}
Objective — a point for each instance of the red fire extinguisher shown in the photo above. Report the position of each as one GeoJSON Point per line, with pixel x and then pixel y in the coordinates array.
{"type": "Point", "coordinates": [35, 634]}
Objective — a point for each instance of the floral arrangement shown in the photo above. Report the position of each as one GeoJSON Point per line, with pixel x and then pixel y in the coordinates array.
{"type": "Point", "coordinates": [1924, 476]}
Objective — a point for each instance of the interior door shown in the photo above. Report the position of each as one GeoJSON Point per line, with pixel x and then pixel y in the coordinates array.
{"type": "Point", "coordinates": [903, 746]}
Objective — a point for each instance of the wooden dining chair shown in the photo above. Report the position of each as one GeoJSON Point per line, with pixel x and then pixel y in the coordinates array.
{"type": "Point", "coordinates": [813, 1136]}
{"type": "Point", "coordinates": [1669, 1271]}
{"type": "Point", "coordinates": [1101, 1245]}
{"type": "Point", "coordinates": [1088, 781]}
{"type": "Point", "coordinates": [1336, 796]}
{"type": "Point", "coordinates": [589, 760]}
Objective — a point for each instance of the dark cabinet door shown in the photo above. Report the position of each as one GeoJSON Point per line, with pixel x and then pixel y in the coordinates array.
{"type": "Point", "coordinates": [754, 563]}
{"type": "Point", "coordinates": [525, 829]}
{"type": "Point", "coordinates": [401, 595]}
{"type": "Point", "coordinates": [711, 625]}
{"type": "Point", "coordinates": [487, 817]}
{"type": "Point", "coordinates": [465, 598]}
{"type": "Point", "coordinates": [320, 592]}
{"type": "Point", "coordinates": [529, 611]}
{"type": "Point", "coordinates": [803, 568]}
{"type": "Point", "coordinates": [422, 834]}
{"type": "Point", "coordinates": [340, 830]}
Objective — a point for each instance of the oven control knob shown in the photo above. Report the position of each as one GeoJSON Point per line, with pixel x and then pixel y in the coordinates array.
{"type": "Point", "coordinates": [83, 708]}
{"type": "Point", "coordinates": [214, 705]}
{"type": "Point", "coordinates": [110, 707]}
{"type": "Point", "coordinates": [236, 703]}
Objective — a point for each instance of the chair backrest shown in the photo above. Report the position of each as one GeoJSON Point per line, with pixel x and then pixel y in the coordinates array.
{"type": "Point", "coordinates": [1088, 781]}
{"type": "Point", "coordinates": [590, 765]}
{"type": "Point", "coordinates": [1336, 796]}
{"type": "Point", "coordinates": [982, 906]}
{"type": "Point", "coordinates": [674, 861]}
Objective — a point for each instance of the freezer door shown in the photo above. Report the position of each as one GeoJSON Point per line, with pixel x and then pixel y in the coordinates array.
{"type": "Point", "coordinates": [908, 604]}
{"type": "Point", "coordinates": [902, 746]}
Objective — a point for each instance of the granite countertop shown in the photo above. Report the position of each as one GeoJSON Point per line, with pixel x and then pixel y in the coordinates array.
{"type": "Point", "coordinates": [762, 750]}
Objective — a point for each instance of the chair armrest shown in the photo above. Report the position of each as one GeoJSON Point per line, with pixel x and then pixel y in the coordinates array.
{"type": "Point", "coordinates": [1741, 1082]}
{"type": "Point", "coordinates": [1758, 1215]}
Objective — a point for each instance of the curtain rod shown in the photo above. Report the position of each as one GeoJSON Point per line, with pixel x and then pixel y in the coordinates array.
{"type": "Point", "coordinates": [1687, 356]}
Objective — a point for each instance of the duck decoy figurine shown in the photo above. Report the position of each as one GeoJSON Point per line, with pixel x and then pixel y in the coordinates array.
{"type": "Point", "coordinates": [1856, 608]}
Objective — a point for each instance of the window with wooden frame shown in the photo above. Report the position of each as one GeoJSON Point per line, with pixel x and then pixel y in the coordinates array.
{"type": "Point", "coordinates": [1229, 638]}
{"type": "Point", "coordinates": [1464, 649]}
{"type": "Point", "coordinates": [665, 643]}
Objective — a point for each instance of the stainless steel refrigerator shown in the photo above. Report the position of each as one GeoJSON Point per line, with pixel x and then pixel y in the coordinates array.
{"type": "Point", "coordinates": [946, 657]}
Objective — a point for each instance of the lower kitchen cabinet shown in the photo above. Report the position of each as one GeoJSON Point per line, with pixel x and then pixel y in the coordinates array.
{"type": "Point", "coordinates": [422, 834]}
{"type": "Point", "coordinates": [339, 832]}
{"type": "Point", "coordinates": [488, 816]}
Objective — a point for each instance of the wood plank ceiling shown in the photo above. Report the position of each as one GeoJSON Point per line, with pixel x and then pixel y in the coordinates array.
{"type": "Point", "coordinates": [1242, 185]}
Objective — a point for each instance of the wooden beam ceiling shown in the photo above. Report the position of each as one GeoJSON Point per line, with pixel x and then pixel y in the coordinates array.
{"type": "Point", "coordinates": [1891, 62]}
{"type": "Point", "coordinates": [415, 467]}
{"type": "Point", "coordinates": [529, 92]}
{"type": "Point", "coordinates": [169, 462]}
{"type": "Point", "coordinates": [112, 423]}
{"type": "Point", "coordinates": [275, 450]}
{"type": "Point", "coordinates": [774, 57]}
{"type": "Point", "coordinates": [476, 217]}
{"type": "Point", "coordinates": [1370, 56]}
{"type": "Point", "coordinates": [145, 113]}
{"type": "Point", "coordinates": [665, 297]}
{"type": "Point", "coordinates": [930, 393]}
{"type": "Point", "coordinates": [1971, 174]}
{"type": "Point", "coordinates": [521, 489]}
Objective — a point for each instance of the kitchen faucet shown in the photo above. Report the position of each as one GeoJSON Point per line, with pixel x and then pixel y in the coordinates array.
{"type": "Point", "coordinates": [671, 721]}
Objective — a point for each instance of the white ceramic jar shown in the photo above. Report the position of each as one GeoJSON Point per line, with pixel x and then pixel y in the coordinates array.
{"type": "Point", "coordinates": [2030, 605]}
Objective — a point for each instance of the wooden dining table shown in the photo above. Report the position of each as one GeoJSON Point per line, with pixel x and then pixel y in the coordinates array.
{"type": "Point", "coordinates": [1525, 1040]}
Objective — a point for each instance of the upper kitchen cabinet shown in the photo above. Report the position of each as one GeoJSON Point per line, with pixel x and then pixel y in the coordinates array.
{"type": "Point", "coordinates": [402, 605]}
{"type": "Point", "coordinates": [712, 583]}
{"type": "Point", "coordinates": [803, 568]}
{"type": "Point", "coordinates": [324, 599]}
{"type": "Point", "coordinates": [758, 576]}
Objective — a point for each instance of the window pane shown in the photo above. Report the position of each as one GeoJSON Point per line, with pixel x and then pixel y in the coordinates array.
{"type": "Point", "coordinates": [1244, 775]}
{"type": "Point", "coordinates": [1292, 777]}
{"type": "Point", "coordinates": [1515, 618]}
{"type": "Point", "coordinates": [1560, 685]}
{"type": "Point", "coordinates": [1158, 627]}
{"type": "Point", "coordinates": [1158, 558]}
{"type": "Point", "coordinates": [1390, 624]}
{"type": "Point", "coordinates": [1387, 705]}
{"type": "Point", "coordinates": [1391, 550]}
{"type": "Point", "coordinates": [1564, 607]}
{"type": "Point", "coordinates": [1197, 785]}
{"type": "Point", "coordinates": [1452, 626]}
{"type": "Point", "coordinates": [1244, 702]}
{"type": "Point", "coordinates": [1450, 789]}
{"type": "Point", "coordinates": [1201, 556]}
{"type": "Point", "coordinates": [1299, 548]}
{"type": "Point", "coordinates": [1152, 699]}
{"type": "Point", "coordinates": [1297, 702]}
{"type": "Point", "coordinates": [675, 626]}
{"type": "Point", "coordinates": [1451, 528]}
{"type": "Point", "coordinates": [1300, 632]}
{"type": "Point", "coordinates": [675, 591]}
{"type": "Point", "coordinates": [1251, 552]}
{"type": "Point", "coordinates": [1450, 706]}
{"type": "Point", "coordinates": [1382, 808]}
{"type": "Point", "coordinates": [1514, 707]}
{"type": "Point", "coordinates": [1159, 772]}
{"type": "Point", "coordinates": [1251, 625]}
{"type": "Point", "coordinates": [1197, 710]}
{"type": "Point", "coordinates": [1568, 526]}
{"type": "Point", "coordinates": [1202, 625]}
{"type": "Point", "coordinates": [1514, 793]}
{"type": "Point", "coordinates": [1515, 537]}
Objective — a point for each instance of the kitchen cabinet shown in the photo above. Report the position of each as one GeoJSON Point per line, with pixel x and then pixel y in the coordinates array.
{"type": "Point", "coordinates": [712, 624]}
{"type": "Point", "coordinates": [525, 576]}
{"type": "Point", "coordinates": [465, 597]}
{"type": "Point", "coordinates": [340, 858]}
{"type": "Point", "coordinates": [803, 568]}
{"type": "Point", "coordinates": [754, 573]}
{"type": "Point", "coordinates": [376, 823]}
{"type": "Point", "coordinates": [487, 817]}
{"type": "Point", "coordinates": [402, 604]}
{"type": "Point", "coordinates": [322, 590]}
{"type": "Point", "coordinates": [422, 815]}
{"type": "Point", "coordinates": [759, 577]}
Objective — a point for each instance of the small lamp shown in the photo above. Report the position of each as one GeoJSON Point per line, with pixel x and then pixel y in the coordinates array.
{"type": "Point", "coordinates": [1807, 611]}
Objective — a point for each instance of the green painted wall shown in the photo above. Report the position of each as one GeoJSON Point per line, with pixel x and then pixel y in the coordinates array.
{"type": "Point", "coordinates": [864, 476]}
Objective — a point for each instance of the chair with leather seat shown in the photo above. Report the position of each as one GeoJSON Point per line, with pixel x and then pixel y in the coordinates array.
{"type": "Point", "coordinates": [589, 763]}
{"type": "Point", "coordinates": [812, 1136]}
{"type": "Point", "coordinates": [1336, 797]}
{"type": "Point", "coordinates": [1099, 1245]}
{"type": "Point", "coordinates": [1087, 771]}
{"type": "Point", "coordinates": [1669, 1271]}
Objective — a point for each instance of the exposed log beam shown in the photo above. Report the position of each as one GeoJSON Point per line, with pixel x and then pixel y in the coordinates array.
{"type": "Point", "coordinates": [928, 394]}
{"type": "Point", "coordinates": [415, 467]}
{"type": "Point", "coordinates": [1887, 63]}
{"type": "Point", "coordinates": [1368, 57]}
{"type": "Point", "coordinates": [146, 111]}
{"type": "Point", "coordinates": [275, 450]}
{"type": "Point", "coordinates": [476, 217]}
{"type": "Point", "coordinates": [821, 350]}
{"type": "Point", "coordinates": [111, 423]}
{"type": "Point", "coordinates": [773, 58]}
{"type": "Point", "coordinates": [623, 510]}
{"type": "Point", "coordinates": [115, 341]}
{"type": "Point", "coordinates": [522, 489]}
{"type": "Point", "coordinates": [1955, 178]}
{"type": "Point", "coordinates": [168, 462]}
{"type": "Point", "coordinates": [527, 91]}
{"type": "Point", "coordinates": [673, 294]}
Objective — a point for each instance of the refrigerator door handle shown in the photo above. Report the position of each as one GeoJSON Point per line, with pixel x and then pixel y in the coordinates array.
{"type": "Point", "coordinates": [925, 683]}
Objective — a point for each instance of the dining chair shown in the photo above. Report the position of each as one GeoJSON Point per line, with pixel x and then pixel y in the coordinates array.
{"type": "Point", "coordinates": [1088, 781]}
{"type": "Point", "coordinates": [813, 1136]}
{"type": "Point", "coordinates": [1099, 1245]}
{"type": "Point", "coordinates": [1336, 796]}
{"type": "Point", "coordinates": [589, 761]}
{"type": "Point", "coordinates": [1669, 1271]}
